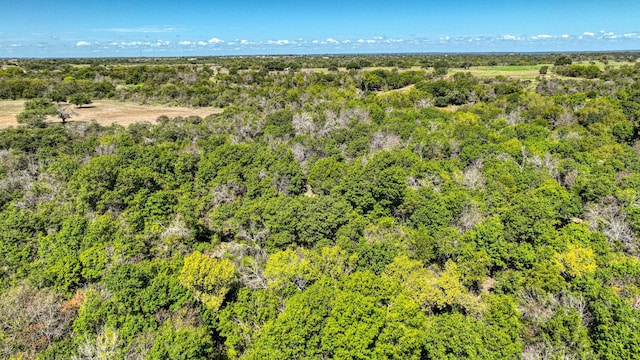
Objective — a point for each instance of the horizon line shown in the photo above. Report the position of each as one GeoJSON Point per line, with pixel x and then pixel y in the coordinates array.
{"type": "Point", "coordinates": [551, 52]}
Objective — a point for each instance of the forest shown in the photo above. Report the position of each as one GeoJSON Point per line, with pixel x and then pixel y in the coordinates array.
{"type": "Point", "coordinates": [402, 206]}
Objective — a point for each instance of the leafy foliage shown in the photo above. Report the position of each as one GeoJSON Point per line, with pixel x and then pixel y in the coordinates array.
{"type": "Point", "coordinates": [390, 207]}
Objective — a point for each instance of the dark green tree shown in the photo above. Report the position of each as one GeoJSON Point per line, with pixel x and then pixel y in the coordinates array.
{"type": "Point", "coordinates": [80, 99]}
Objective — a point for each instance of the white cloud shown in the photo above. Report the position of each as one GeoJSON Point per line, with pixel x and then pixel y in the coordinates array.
{"type": "Point", "coordinates": [215, 41]}
{"type": "Point", "coordinates": [332, 41]}
{"type": "Point", "coordinates": [368, 41]}
{"type": "Point", "coordinates": [512, 37]}
{"type": "Point", "coordinates": [542, 37]}
{"type": "Point", "coordinates": [83, 43]}
{"type": "Point", "coordinates": [565, 36]}
{"type": "Point", "coordinates": [245, 42]}
{"type": "Point", "coordinates": [346, 41]}
{"type": "Point", "coordinates": [202, 43]}
{"type": "Point", "coordinates": [185, 43]}
{"type": "Point", "coordinates": [277, 42]}
{"type": "Point", "coordinates": [587, 33]}
{"type": "Point", "coordinates": [162, 43]}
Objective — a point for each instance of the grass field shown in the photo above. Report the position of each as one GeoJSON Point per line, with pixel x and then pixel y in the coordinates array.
{"type": "Point", "coordinates": [107, 112]}
{"type": "Point", "coordinates": [528, 72]}
{"type": "Point", "coordinates": [602, 65]}
{"type": "Point", "coordinates": [524, 72]}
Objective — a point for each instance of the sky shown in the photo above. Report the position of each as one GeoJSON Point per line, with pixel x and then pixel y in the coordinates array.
{"type": "Point", "coordinates": [116, 28]}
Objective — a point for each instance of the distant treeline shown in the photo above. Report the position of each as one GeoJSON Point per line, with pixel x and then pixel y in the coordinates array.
{"type": "Point", "coordinates": [221, 81]}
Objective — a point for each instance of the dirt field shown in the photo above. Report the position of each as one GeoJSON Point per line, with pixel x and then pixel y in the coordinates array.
{"type": "Point", "coordinates": [8, 111]}
{"type": "Point", "coordinates": [107, 112]}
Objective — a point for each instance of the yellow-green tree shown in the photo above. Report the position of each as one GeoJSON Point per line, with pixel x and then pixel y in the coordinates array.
{"type": "Point", "coordinates": [576, 261]}
{"type": "Point", "coordinates": [433, 291]}
{"type": "Point", "coordinates": [209, 279]}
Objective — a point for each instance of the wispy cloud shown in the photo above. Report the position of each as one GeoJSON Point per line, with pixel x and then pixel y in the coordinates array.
{"type": "Point", "coordinates": [277, 42]}
{"type": "Point", "coordinates": [511, 37]}
{"type": "Point", "coordinates": [542, 37]}
{"type": "Point", "coordinates": [83, 43]}
{"type": "Point", "coordinates": [161, 43]}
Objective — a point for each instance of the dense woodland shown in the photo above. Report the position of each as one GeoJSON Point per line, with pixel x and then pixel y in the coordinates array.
{"type": "Point", "coordinates": [347, 207]}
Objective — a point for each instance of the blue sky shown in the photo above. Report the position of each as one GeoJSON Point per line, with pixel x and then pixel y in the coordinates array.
{"type": "Point", "coordinates": [64, 28]}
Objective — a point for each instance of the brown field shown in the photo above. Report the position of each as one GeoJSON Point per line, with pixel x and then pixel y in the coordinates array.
{"type": "Point", "coordinates": [108, 112]}
{"type": "Point", "coordinates": [8, 111]}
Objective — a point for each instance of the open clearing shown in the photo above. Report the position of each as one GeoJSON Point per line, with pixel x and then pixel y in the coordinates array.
{"type": "Point", "coordinates": [107, 112]}
{"type": "Point", "coordinates": [523, 72]}
{"type": "Point", "coordinates": [8, 111]}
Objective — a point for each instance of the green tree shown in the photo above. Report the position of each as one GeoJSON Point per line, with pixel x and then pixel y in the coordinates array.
{"type": "Point", "coordinates": [209, 279]}
{"type": "Point", "coordinates": [325, 175]}
{"type": "Point", "coordinates": [563, 60]}
{"type": "Point", "coordinates": [80, 99]}
{"type": "Point", "coordinates": [441, 67]}
{"type": "Point", "coordinates": [35, 113]}
{"type": "Point", "coordinates": [182, 343]}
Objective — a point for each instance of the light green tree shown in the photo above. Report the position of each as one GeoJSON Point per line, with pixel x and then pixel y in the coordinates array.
{"type": "Point", "coordinates": [207, 278]}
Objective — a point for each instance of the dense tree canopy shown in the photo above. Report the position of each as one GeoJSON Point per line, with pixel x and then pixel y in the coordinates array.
{"type": "Point", "coordinates": [382, 209]}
